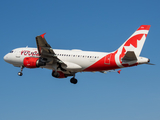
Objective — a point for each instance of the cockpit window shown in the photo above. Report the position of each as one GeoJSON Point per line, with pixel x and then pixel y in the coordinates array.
{"type": "Point", "coordinates": [11, 51]}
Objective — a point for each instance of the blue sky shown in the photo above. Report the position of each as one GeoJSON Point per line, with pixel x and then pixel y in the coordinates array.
{"type": "Point", "coordinates": [93, 25]}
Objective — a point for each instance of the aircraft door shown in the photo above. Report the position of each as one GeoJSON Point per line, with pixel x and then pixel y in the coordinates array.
{"type": "Point", "coordinates": [17, 54]}
{"type": "Point", "coordinates": [18, 57]}
{"type": "Point", "coordinates": [107, 59]}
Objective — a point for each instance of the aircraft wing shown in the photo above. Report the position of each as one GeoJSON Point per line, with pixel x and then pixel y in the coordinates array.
{"type": "Point", "coordinates": [46, 52]}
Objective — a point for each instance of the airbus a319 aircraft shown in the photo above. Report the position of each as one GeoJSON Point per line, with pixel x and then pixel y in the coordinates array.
{"type": "Point", "coordinates": [64, 63]}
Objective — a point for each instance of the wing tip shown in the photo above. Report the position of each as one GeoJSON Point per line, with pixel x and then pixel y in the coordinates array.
{"type": "Point", "coordinates": [119, 71]}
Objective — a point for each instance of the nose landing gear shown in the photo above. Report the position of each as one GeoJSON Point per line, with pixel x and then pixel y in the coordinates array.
{"type": "Point", "coordinates": [20, 73]}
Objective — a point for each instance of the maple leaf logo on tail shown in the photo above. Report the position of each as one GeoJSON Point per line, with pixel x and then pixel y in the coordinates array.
{"type": "Point", "coordinates": [131, 48]}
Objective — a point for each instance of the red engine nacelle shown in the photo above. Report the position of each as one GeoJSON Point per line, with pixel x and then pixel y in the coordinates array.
{"type": "Point", "coordinates": [58, 74]}
{"type": "Point", "coordinates": [32, 62]}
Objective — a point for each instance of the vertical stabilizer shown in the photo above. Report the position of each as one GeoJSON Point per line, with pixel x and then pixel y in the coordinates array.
{"type": "Point", "coordinates": [132, 47]}
{"type": "Point", "coordinates": [136, 41]}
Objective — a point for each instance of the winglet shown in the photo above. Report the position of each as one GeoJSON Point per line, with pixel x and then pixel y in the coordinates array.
{"type": "Point", "coordinates": [119, 71]}
{"type": "Point", "coordinates": [43, 35]}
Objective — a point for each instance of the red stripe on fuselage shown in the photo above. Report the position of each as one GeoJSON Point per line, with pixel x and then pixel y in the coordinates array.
{"type": "Point", "coordinates": [103, 64]}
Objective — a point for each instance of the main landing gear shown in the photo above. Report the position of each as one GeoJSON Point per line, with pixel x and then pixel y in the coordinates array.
{"type": "Point", "coordinates": [73, 80]}
{"type": "Point", "coordinates": [20, 73]}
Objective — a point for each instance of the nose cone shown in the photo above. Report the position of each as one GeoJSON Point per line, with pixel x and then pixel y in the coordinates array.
{"type": "Point", "coordinates": [6, 58]}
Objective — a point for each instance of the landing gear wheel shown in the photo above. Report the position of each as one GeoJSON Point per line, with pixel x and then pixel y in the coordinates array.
{"type": "Point", "coordinates": [20, 73]}
{"type": "Point", "coordinates": [55, 74]}
{"type": "Point", "coordinates": [73, 80]}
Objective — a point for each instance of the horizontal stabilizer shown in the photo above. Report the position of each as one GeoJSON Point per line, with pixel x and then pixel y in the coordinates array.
{"type": "Point", "coordinates": [105, 72]}
{"type": "Point", "coordinates": [129, 56]}
{"type": "Point", "coordinates": [150, 63]}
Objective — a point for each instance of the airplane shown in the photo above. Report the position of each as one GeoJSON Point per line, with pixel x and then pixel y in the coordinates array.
{"type": "Point", "coordinates": [65, 63]}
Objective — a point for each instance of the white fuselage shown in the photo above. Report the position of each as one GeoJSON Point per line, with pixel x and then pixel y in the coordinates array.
{"type": "Point", "coordinates": [77, 59]}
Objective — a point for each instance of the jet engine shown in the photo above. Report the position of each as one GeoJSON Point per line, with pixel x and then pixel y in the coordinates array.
{"type": "Point", "coordinates": [32, 62]}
